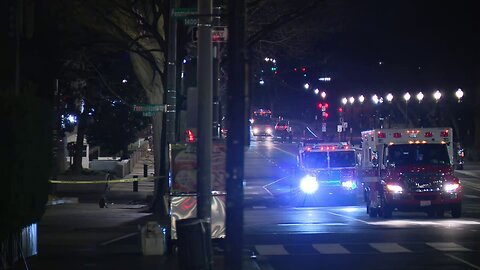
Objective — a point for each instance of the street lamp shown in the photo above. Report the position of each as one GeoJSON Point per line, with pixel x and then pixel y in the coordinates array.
{"type": "Point", "coordinates": [389, 97]}
{"type": "Point", "coordinates": [437, 95]}
{"type": "Point", "coordinates": [351, 100]}
{"type": "Point", "coordinates": [323, 95]}
{"type": "Point", "coordinates": [407, 97]}
{"type": "Point", "coordinates": [375, 99]}
{"type": "Point", "coordinates": [344, 101]}
{"type": "Point", "coordinates": [459, 94]}
{"type": "Point", "coordinates": [361, 99]}
{"type": "Point", "coordinates": [306, 86]}
{"type": "Point", "coordinates": [316, 91]}
{"type": "Point", "coordinates": [420, 97]}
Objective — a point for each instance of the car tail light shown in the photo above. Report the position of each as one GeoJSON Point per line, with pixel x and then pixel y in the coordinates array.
{"type": "Point", "coordinates": [444, 133]}
{"type": "Point", "coordinates": [381, 135]}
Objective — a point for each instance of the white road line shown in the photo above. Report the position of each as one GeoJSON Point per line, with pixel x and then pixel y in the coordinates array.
{"type": "Point", "coordinates": [389, 247]}
{"type": "Point", "coordinates": [447, 246]}
{"type": "Point", "coordinates": [118, 239]}
{"type": "Point", "coordinates": [270, 250]}
{"type": "Point", "coordinates": [330, 249]}
{"type": "Point", "coordinates": [471, 196]}
{"type": "Point", "coordinates": [286, 152]}
{"type": "Point", "coordinates": [356, 219]}
{"type": "Point", "coordinates": [463, 261]}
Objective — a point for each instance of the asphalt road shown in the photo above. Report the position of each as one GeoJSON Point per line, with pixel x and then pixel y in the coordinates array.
{"type": "Point", "coordinates": [341, 235]}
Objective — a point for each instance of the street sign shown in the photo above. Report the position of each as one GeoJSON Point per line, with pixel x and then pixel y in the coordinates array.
{"type": "Point", "coordinates": [148, 114]}
{"type": "Point", "coordinates": [219, 34]}
{"type": "Point", "coordinates": [324, 127]}
{"type": "Point", "coordinates": [184, 12]}
{"type": "Point", "coordinates": [345, 124]}
{"type": "Point", "coordinates": [190, 21]}
{"type": "Point", "coordinates": [148, 107]}
{"type": "Point", "coordinates": [339, 128]}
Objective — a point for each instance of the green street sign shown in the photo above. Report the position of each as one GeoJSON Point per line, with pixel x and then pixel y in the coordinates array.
{"type": "Point", "coordinates": [148, 107]}
{"type": "Point", "coordinates": [184, 12]}
{"type": "Point", "coordinates": [149, 114]}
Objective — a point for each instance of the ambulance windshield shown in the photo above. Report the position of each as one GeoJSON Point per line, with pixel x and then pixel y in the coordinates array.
{"type": "Point", "coordinates": [418, 154]}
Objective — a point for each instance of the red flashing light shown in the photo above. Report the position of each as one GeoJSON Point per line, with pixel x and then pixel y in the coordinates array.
{"type": "Point", "coordinates": [397, 135]}
{"type": "Point", "coordinates": [346, 147]}
{"type": "Point", "coordinates": [333, 147]}
{"type": "Point", "coordinates": [444, 133]}
{"type": "Point", "coordinates": [308, 149]}
{"type": "Point", "coordinates": [325, 114]}
{"type": "Point", "coordinates": [319, 105]}
{"type": "Point", "coordinates": [321, 148]}
{"type": "Point", "coordinates": [428, 134]}
{"type": "Point", "coordinates": [381, 135]}
{"type": "Point", "coordinates": [304, 69]}
{"type": "Point", "coordinates": [326, 105]}
{"type": "Point", "coordinates": [190, 136]}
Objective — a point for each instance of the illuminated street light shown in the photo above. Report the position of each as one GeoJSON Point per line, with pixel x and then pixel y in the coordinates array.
{"type": "Point", "coordinates": [306, 86]}
{"type": "Point", "coordinates": [361, 99]}
{"type": "Point", "coordinates": [459, 94]}
{"type": "Point", "coordinates": [437, 95]}
{"type": "Point", "coordinates": [351, 100]}
{"type": "Point", "coordinates": [344, 101]}
{"type": "Point", "coordinates": [420, 97]}
{"type": "Point", "coordinates": [316, 91]}
{"type": "Point", "coordinates": [375, 99]}
{"type": "Point", "coordinates": [323, 95]}
{"type": "Point", "coordinates": [407, 97]}
{"type": "Point", "coordinates": [261, 82]}
{"type": "Point", "coordinates": [389, 97]}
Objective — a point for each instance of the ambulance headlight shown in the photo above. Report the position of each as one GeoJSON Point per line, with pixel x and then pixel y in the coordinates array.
{"type": "Point", "coordinates": [349, 184]}
{"type": "Point", "coordinates": [309, 184]}
{"type": "Point", "coordinates": [394, 188]}
{"type": "Point", "coordinates": [451, 187]}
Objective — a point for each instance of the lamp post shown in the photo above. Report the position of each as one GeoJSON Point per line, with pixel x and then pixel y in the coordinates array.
{"type": "Point", "coordinates": [406, 97]}
{"type": "Point", "coordinates": [389, 98]}
{"type": "Point", "coordinates": [437, 95]}
{"type": "Point", "coordinates": [420, 97]}
{"type": "Point", "coordinates": [323, 95]}
{"type": "Point", "coordinates": [459, 95]}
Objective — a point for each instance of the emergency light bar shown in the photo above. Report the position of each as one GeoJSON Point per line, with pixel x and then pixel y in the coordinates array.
{"type": "Point", "coordinates": [326, 147]}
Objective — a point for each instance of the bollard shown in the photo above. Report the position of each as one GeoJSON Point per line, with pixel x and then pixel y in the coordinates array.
{"type": "Point", "coordinates": [135, 184]}
{"type": "Point", "coordinates": [145, 170]}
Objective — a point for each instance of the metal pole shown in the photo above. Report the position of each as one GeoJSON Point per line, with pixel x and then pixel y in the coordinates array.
{"type": "Point", "coordinates": [171, 76]}
{"type": "Point", "coordinates": [237, 93]}
{"type": "Point", "coordinates": [216, 80]}
{"type": "Point", "coordinates": [204, 141]}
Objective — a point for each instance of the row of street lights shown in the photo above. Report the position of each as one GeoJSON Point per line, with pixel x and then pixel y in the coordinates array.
{"type": "Point", "coordinates": [437, 95]}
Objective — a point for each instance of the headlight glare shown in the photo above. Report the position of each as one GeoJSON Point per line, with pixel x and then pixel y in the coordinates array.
{"type": "Point", "coordinates": [349, 184]}
{"type": "Point", "coordinates": [394, 188]}
{"type": "Point", "coordinates": [309, 184]}
{"type": "Point", "coordinates": [451, 187]}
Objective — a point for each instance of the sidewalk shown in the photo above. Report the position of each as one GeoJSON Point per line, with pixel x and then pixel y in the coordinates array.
{"type": "Point", "coordinates": [77, 234]}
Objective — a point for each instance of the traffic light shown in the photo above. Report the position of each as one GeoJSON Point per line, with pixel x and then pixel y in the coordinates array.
{"type": "Point", "coordinates": [340, 110]}
{"type": "Point", "coordinates": [325, 115]}
{"type": "Point", "coordinates": [319, 106]}
{"type": "Point", "coordinates": [326, 105]}
{"type": "Point", "coordinates": [304, 69]}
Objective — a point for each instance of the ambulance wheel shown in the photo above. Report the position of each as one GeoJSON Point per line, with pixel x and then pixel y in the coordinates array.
{"type": "Point", "coordinates": [372, 212]}
{"type": "Point", "coordinates": [456, 210]}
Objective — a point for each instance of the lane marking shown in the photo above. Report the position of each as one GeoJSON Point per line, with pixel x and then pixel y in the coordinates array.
{"type": "Point", "coordinates": [471, 196]}
{"type": "Point", "coordinates": [347, 217]}
{"type": "Point", "coordinates": [118, 239]}
{"type": "Point", "coordinates": [330, 249]}
{"type": "Point", "coordinates": [269, 250]}
{"type": "Point", "coordinates": [463, 261]}
{"type": "Point", "coordinates": [447, 246]}
{"type": "Point", "coordinates": [389, 247]}
{"type": "Point", "coordinates": [286, 152]}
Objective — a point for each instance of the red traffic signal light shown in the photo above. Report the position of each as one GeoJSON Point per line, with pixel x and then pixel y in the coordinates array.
{"type": "Point", "coordinates": [304, 69]}
{"type": "Point", "coordinates": [319, 105]}
{"type": "Point", "coordinates": [340, 109]}
{"type": "Point", "coordinates": [325, 114]}
{"type": "Point", "coordinates": [326, 105]}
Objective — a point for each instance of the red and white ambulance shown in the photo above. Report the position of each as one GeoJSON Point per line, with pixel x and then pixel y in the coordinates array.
{"type": "Point", "coordinates": [409, 169]}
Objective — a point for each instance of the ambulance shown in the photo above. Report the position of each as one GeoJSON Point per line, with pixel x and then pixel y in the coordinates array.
{"type": "Point", "coordinates": [409, 169]}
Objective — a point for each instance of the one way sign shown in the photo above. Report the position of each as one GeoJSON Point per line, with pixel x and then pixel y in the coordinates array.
{"type": "Point", "coordinates": [219, 34]}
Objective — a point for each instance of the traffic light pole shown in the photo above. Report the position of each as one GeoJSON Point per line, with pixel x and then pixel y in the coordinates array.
{"type": "Point", "coordinates": [171, 76]}
{"type": "Point", "coordinates": [237, 94]}
{"type": "Point", "coordinates": [205, 111]}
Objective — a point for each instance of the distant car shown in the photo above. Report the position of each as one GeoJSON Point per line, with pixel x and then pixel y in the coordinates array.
{"type": "Point", "coordinates": [283, 131]}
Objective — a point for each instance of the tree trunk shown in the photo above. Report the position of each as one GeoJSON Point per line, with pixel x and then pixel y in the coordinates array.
{"type": "Point", "coordinates": [81, 130]}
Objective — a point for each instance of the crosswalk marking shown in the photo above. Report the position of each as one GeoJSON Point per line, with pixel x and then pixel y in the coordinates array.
{"type": "Point", "coordinates": [447, 246]}
{"type": "Point", "coordinates": [330, 249]}
{"type": "Point", "coordinates": [269, 250]}
{"type": "Point", "coordinates": [389, 247]}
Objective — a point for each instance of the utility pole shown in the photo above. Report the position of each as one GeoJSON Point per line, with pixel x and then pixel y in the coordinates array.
{"type": "Point", "coordinates": [237, 93]}
{"type": "Point", "coordinates": [216, 79]}
{"type": "Point", "coordinates": [171, 75]}
{"type": "Point", "coordinates": [204, 141]}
